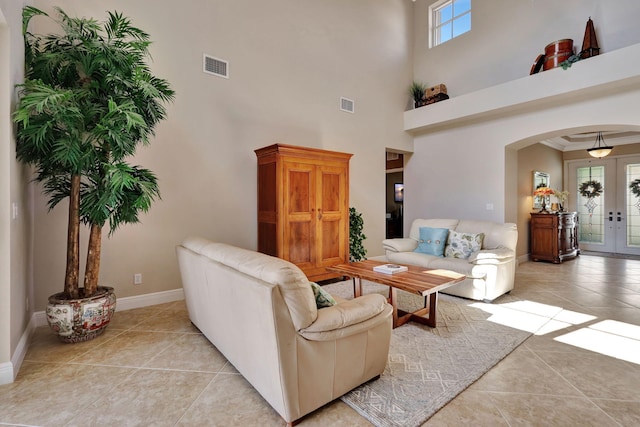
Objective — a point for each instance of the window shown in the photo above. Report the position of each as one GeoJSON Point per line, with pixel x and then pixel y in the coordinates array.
{"type": "Point", "coordinates": [449, 19]}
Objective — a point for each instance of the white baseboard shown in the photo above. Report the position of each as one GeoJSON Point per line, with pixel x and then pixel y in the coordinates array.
{"type": "Point", "coordinates": [127, 303]}
{"type": "Point", "coordinates": [9, 370]}
{"type": "Point", "coordinates": [6, 373]}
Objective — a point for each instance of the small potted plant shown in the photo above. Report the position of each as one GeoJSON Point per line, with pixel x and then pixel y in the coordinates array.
{"type": "Point", "coordinates": [417, 90]}
{"type": "Point", "coordinates": [357, 252]}
{"type": "Point", "coordinates": [88, 102]}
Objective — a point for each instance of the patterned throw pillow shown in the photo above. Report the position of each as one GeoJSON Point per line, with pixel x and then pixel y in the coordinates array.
{"type": "Point", "coordinates": [323, 298]}
{"type": "Point", "coordinates": [432, 241]}
{"type": "Point", "coordinates": [462, 245]}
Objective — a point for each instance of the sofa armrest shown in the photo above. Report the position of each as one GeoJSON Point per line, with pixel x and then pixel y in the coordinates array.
{"type": "Point", "coordinates": [347, 318]}
{"type": "Point", "coordinates": [399, 245]}
{"type": "Point", "coordinates": [492, 256]}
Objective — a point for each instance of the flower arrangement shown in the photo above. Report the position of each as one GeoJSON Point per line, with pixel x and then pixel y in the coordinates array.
{"type": "Point", "coordinates": [561, 195]}
{"type": "Point", "coordinates": [543, 192]}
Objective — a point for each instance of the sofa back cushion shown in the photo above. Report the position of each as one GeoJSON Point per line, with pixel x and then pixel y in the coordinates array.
{"type": "Point", "coordinates": [414, 233]}
{"type": "Point", "coordinates": [495, 234]}
{"type": "Point", "coordinates": [293, 283]}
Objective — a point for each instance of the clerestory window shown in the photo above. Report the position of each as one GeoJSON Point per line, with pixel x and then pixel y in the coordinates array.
{"type": "Point", "coordinates": [448, 19]}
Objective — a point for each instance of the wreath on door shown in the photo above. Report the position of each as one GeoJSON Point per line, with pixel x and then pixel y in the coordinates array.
{"type": "Point", "coordinates": [590, 189]}
{"type": "Point", "coordinates": [635, 187]}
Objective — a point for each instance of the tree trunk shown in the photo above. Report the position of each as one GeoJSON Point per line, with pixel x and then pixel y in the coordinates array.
{"type": "Point", "coordinates": [92, 270]}
{"type": "Point", "coordinates": [73, 240]}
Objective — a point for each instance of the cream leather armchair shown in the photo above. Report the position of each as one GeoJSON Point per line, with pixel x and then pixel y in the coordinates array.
{"type": "Point", "coordinates": [260, 312]}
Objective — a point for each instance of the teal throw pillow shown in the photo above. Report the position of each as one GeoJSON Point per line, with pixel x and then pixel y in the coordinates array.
{"type": "Point", "coordinates": [323, 298]}
{"type": "Point", "coordinates": [462, 245]}
{"type": "Point", "coordinates": [432, 241]}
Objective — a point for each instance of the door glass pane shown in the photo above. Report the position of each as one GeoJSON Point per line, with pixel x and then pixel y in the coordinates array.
{"type": "Point", "coordinates": [633, 206]}
{"type": "Point", "coordinates": [591, 206]}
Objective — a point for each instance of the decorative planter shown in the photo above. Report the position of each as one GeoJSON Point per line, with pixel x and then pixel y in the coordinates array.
{"type": "Point", "coordinates": [82, 319]}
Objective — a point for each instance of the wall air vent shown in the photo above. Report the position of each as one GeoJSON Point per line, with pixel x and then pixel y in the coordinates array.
{"type": "Point", "coordinates": [347, 105]}
{"type": "Point", "coordinates": [215, 66]}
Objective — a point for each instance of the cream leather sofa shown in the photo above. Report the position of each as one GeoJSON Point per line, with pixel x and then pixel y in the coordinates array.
{"type": "Point", "coordinates": [490, 271]}
{"type": "Point", "coordinates": [260, 312]}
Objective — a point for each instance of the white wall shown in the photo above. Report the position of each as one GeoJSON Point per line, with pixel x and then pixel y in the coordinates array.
{"type": "Point", "coordinates": [290, 61]}
{"type": "Point", "coordinates": [15, 286]}
{"type": "Point", "coordinates": [506, 37]}
{"type": "Point", "coordinates": [456, 172]}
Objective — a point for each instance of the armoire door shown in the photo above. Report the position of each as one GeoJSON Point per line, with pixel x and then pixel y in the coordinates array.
{"type": "Point", "coordinates": [332, 208]}
{"type": "Point", "coordinates": [299, 201]}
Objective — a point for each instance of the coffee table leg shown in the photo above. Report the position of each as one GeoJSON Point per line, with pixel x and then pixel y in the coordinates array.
{"type": "Point", "coordinates": [393, 297]}
{"type": "Point", "coordinates": [357, 287]}
{"type": "Point", "coordinates": [400, 317]}
{"type": "Point", "coordinates": [431, 319]}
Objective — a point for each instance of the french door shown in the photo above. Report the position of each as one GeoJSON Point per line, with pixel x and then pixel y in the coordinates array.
{"type": "Point", "coordinates": [608, 209]}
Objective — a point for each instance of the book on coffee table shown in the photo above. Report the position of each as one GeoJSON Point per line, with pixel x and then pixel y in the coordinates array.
{"type": "Point", "coordinates": [390, 268]}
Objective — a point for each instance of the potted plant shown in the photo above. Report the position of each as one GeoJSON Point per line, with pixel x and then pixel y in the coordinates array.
{"type": "Point", "coordinates": [89, 100]}
{"type": "Point", "coordinates": [357, 252]}
{"type": "Point", "coordinates": [417, 90]}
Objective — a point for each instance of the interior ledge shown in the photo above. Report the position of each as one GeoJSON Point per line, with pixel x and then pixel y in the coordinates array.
{"type": "Point", "coordinates": [605, 73]}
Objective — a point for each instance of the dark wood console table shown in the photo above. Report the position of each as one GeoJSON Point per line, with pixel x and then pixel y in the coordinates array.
{"type": "Point", "coordinates": [554, 236]}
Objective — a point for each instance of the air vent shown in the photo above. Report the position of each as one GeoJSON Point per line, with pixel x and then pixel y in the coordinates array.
{"type": "Point", "coordinates": [347, 105]}
{"type": "Point", "coordinates": [215, 66]}
{"type": "Point", "coordinates": [392, 156]}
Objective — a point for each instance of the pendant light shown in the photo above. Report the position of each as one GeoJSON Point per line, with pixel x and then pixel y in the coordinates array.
{"type": "Point", "coordinates": [600, 148]}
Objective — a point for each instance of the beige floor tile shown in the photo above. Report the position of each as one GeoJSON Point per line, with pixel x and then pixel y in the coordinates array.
{"type": "Point", "coordinates": [168, 320]}
{"type": "Point", "coordinates": [596, 375]}
{"type": "Point", "coordinates": [189, 352]}
{"type": "Point", "coordinates": [229, 400]}
{"type": "Point", "coordinates": [46, 347]}
{"type": "Point", "coordinates": [52, 400]}
{"type": "Point", "coordinates": [130, 348]}
{"type": "Point", "coordinates": [146, 398]}
{"type": "Point", "coordinates": [627, 413]}
{"type": "Point", "coordinates": [128, 319]}
{"type": "Point", "coordinates": [524, 372]}
{"type": "Point", "coordinates": [470, 408]}
{"type": "Point", "coordinates": [549, 411]}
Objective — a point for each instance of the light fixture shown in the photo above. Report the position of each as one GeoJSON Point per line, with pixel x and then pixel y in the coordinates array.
{"type": "Point", "coordinates": [599, 149]}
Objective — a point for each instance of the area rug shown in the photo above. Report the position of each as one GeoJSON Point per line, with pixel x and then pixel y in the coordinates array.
{"type": "Point", "coordinates": [428, 367]}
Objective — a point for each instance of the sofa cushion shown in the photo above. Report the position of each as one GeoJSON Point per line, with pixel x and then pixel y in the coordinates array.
{"type": "Point", "coordinates": [432, 241]}
{"type": "Point", "coordinates": [414, 233]}
{"type": "Point", "coordinates": [292, 282]}
{"type": "Point", "coordinates": [462, 245]}
{"type": "Point", "coordinates": [323, 298]}
{"type": "Point", "coordinates": [412, 258]}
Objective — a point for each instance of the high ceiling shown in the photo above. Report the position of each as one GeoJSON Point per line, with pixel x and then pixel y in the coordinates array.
{"type": "Point", "coordinates": [582, 141]}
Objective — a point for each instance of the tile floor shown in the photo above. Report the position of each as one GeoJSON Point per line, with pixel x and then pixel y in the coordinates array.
{"type": "Point", "coordinates": [152, 367]}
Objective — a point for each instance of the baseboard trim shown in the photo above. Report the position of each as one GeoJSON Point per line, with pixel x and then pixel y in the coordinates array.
{"type": "Point", "coordinates": [128, 303]}
{"type": "Point", "coordinates": [6, 373]}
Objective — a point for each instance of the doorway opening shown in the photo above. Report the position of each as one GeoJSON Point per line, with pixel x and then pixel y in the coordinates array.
{"type": "Point", "coordinates": [394, 194]}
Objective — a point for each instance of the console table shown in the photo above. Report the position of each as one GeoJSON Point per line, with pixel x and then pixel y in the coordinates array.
{"type": "Point", "coordinates": [554, 236]}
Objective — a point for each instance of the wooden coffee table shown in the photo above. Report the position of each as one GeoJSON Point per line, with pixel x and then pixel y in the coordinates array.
{"type": "Point", "coordinates": [417, 280]}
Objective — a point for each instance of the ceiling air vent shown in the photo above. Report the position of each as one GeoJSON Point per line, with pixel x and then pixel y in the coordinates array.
{"type": "Point", "coordinates": [215, 66]}
{"type": "Point", "coordinates": [347, 105]}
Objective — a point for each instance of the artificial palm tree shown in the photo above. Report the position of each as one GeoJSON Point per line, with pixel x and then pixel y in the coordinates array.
{"type": "Point", "coordinates": [88, 101]}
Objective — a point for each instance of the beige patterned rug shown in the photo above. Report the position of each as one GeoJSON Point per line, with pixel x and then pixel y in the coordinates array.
{"type": "Point", "coordinates": [429, 366]}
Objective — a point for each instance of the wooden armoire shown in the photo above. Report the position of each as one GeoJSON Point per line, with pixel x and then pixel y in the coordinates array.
{"type": "Point", "coordinates": [303, 207]}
